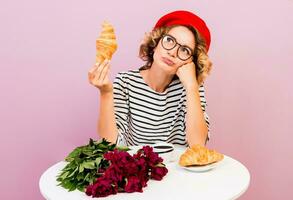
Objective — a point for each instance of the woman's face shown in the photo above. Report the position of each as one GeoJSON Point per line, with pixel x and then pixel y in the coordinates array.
{"type": "Point", "coordinates": [169, 60]}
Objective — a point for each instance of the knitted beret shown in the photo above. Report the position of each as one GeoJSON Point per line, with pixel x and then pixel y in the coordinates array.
{"type": "Point", "coordinates": [182, 17]}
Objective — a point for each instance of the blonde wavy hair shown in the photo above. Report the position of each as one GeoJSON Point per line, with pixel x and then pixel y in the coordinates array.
{"type": "Point", "coordinates": [200, 58]}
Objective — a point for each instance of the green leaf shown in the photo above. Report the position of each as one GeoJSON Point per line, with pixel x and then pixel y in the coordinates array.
{"type": "Point", "coordinates": [81, 188]}
{"type": "Point", "coordinates": [72, 173]}
{"type": "Point", "coordinates": [98, 151]}
{"type": "Point", "coordinates": [98, 161]}
{"type": "Point", "coordinates": [86, 177]}
{"type": "Point", "coordinates": [64, 175]}
{"type": "Point", "coordinates": [83, 164]}
{"type": "Point", "coordinates": [75, 153]}
{"type": "Point", "coordinates": [87, 152]}
{"type": "Point", "coordinates": [123, 148]}
{"type": "Point", "coordinates": [89, 165]}
{"type": "Point", "coordinates": [111, 147]}
{"type": "Point", "coordinates": [72, 187]}
{"type": "Point", "coordinates": [160, 165]}
{"type": "Point", "coordinates": [92, 180]}
{"type": "Point", "coordinates": [102, 146]}
{"type": "Point", "coordinates": [68, 167]}
{"type": "Point", "coordinates": [81, 168]}
{"type": "Point", "coordinates": [91, 143]}
{"type": "Point", "coordinates": [104, 142]}
{"type": "Point", "coordinates": [67, 184]}
{"type": "Point", "coordinates": [80, 176]}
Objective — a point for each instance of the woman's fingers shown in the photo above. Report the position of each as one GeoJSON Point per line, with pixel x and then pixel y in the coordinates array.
{"type": "Point", "coordinates": [95, 71]}
{"type": "Point", "coordinates": [99, 76]}
{"type": "Point", "coordinates": [91, 72]}
{"type": "Point", "coordinates": [105, 72]}
{"type": "Point", "coordinates": [100, 68]}
{"type": "Point", "coordinates": [99, 80]}
{"type": "Point", "coordinates": [95, 67]}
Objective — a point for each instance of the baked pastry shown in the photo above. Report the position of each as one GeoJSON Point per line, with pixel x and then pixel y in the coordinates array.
{"type": "Point", "coordinates": [106, 43]}
{"type": "Point", "coordinates": [199, 155]}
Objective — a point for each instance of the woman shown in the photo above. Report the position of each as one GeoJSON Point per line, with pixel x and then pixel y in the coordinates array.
{"type": "Point", "coordinates": [163, 100]}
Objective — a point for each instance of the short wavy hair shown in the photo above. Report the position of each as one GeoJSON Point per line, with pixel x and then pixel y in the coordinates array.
{"type": "Point", "coordinates": [200, 58]}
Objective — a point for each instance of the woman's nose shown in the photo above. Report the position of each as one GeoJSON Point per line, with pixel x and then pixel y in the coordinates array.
{"type": "Point", "coordinates": [173, 52]}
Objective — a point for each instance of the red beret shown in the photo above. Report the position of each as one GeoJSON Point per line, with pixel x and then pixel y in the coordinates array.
{"type": "Point", "coordinates": [182, 17]}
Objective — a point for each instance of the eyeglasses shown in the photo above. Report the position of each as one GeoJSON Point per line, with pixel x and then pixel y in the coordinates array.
{"type": "Point", "coordinates": [183, 52]}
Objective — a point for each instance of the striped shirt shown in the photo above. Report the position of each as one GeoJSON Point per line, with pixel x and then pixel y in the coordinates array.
{"type": "Point", "coordinates": [144, 116]}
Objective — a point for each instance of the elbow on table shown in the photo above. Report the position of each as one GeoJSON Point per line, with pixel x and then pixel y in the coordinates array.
{"type": "Point", "coordinates": [109, 137]}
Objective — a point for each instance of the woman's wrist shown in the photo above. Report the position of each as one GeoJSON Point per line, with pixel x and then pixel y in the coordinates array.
{"type": "Point", "coordinates": [107, 90]}
{"type": "Point", "coordinates": [106, 93]}
{"type": "Point", "coordinates": [191, 88]}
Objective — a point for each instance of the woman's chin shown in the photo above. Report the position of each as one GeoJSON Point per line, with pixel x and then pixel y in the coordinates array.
{"type": "Point", "coordinates": [169, 70]}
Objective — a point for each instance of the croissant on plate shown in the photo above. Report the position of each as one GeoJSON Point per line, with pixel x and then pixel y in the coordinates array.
{"type": "Point", "coordinates": [199, 155]}
{"type": "Point", "coordinates": [106, 43]}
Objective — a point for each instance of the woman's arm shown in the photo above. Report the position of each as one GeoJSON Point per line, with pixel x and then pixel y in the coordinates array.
{"type": "Point", "coordinates": [99, 77]}
{"type": "Point", "coordinates": [106, 125]}
{"type": "Point", "coordinates": [196, 127]}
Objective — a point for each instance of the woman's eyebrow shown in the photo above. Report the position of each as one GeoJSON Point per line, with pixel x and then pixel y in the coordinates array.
{"type": "Point", "coordinates": [180, 43]}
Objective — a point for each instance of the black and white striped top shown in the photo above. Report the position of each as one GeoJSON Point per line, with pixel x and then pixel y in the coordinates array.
{"type": "Point", "coordinates": [144, 116]}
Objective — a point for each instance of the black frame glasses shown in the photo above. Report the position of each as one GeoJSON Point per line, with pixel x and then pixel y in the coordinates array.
{"type": "Point", "coordinates": [175, 43]}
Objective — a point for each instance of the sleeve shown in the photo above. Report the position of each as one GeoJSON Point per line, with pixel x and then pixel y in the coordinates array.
{"type": "Point", "coordinates": [204, 104]}
{"type": "Point", "coordinates": [121, 107]}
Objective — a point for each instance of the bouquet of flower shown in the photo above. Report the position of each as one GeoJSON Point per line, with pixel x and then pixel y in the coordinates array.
{"type": "Point", "coordinates": [127, 173]}
{"type": "Point", "coordinates": [83, 164]}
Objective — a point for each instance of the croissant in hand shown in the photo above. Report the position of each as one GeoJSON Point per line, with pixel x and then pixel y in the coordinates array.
{"type": "Point", "coordinates": [106, 44]}
{"type": "Point", "coordinates": [199, 155]}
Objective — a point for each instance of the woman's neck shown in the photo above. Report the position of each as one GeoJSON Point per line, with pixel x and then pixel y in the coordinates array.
{"type": "Point", "coordinates": [157, 79]}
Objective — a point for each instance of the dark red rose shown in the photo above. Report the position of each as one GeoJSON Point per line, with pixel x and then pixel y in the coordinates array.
{"type": "Point", "coordinates": [89, 190]}
{"type": "Point", "coordinates": [118, 158]}
{"type": "Point", "coordinates": [138, 155]}
{"type": "Point", "coordinates": [126, 173]}
{"type": "Point", "coordinates": [143, 177]}
{"type": "Point", "coordinates": [142, 164]}
{"type": "Point", "coordinates": [113, 173]}
{"type": "Point", "coordinates": [101, 170]}
{"type": "Point", "coordinates": [130, 168]}
{"type": "Point", "coordinates": [152, 158]}
{"type": "Point", "coordinates": [133, 185]}
{"type": "Point", "coordinates": [158, 173]}
{"type": "Point", "coordinates": [102, 188]}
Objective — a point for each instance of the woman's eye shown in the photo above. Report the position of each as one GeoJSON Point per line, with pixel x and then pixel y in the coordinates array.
{"type": "Point", "coordinates": [186, 51]}
{"type": "Point", "coordinates": [169, 39]}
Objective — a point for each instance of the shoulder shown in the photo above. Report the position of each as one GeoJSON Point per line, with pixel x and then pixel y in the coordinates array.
{"type": "Point", "coordinates": [127, 76]}
{"type": "Point", "coordinates": [127, 73]}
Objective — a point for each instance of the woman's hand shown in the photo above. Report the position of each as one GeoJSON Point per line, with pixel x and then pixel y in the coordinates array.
{"type": "Point", "coordinates": [99, 76]}
{"type": "Point", "coordinates": [187, 75]}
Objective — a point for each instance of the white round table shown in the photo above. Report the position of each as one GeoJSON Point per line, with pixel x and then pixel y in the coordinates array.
{"type": "Point", "coordinates": [228, 180]}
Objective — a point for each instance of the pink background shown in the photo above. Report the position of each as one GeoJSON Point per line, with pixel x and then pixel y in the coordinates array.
{"type": "Point", "coordinates": [48, 107]}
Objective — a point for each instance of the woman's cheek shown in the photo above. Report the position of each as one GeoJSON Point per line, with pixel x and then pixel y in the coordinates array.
{"type": "Point", "coordinates": [178, 67]}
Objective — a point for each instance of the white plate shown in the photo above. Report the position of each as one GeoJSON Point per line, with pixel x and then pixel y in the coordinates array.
{"type": "Point", "coordinates": [167, 157]}
{"type": "Point", "coordinates": [201, 168]}
{"type": "Point", "coordinates": [134, 149]}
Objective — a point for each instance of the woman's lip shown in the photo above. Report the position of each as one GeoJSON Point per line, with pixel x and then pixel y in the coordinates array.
{"type": "Point", "coordinates": [167, 61]}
